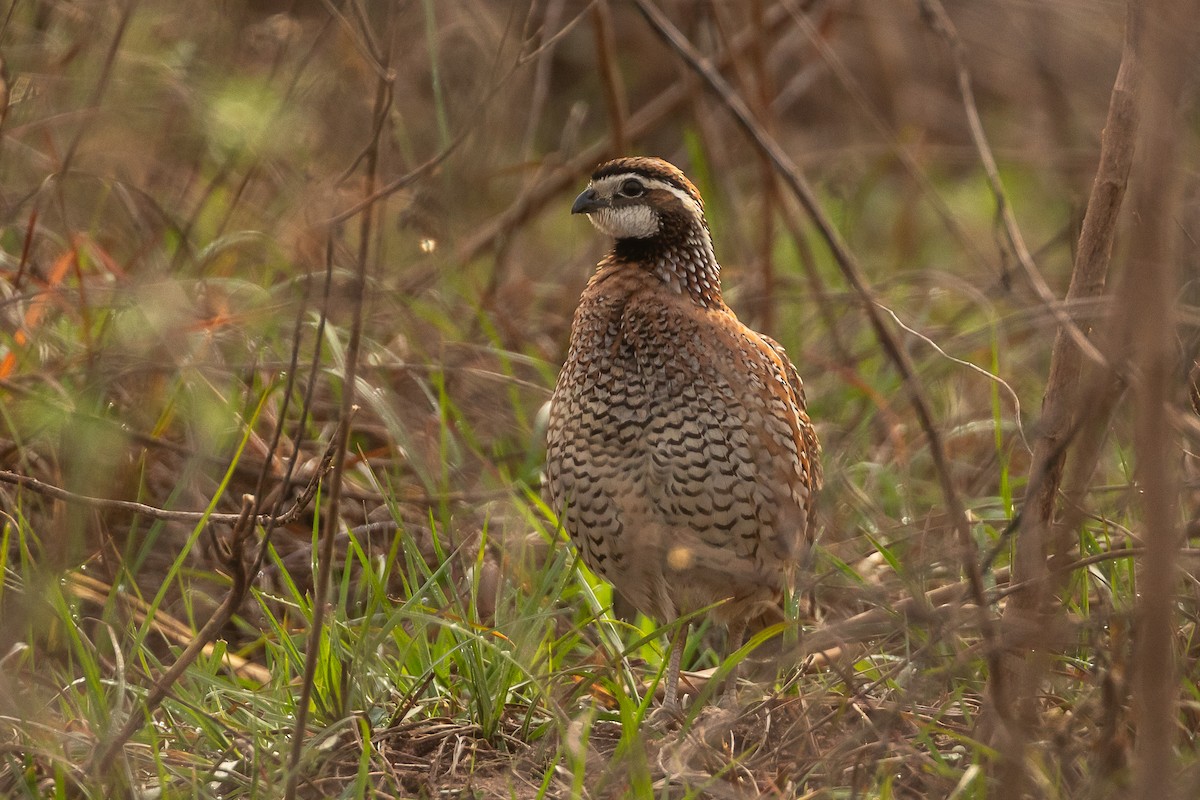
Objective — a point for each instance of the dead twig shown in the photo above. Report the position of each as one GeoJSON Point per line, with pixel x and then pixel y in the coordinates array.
{"type": "Point", "coordinates": [903, 152]}
{"type": "Point", "coordinates": [614, 89]}
{"type": "Point", "coordinates": [332, 521]}
{"type": "Point", "coordinates": [310, 390]}
{"type": "Point", "coordinates": [1166, 35]}
{"type": "Point", "coordinates": [110, 59]}
{"type": "Point", "coordinates": [231, 555]}
{"type": "Point", "coordinates": [1062, 420]}
{"type": "Point", "coordinates": [99, 593]}
{"type": "Point", "coordinates": [850, 269]}
{"type": "Point", "coordinates": [103, 759]}
{"type": "Point", "coordinates": [644, 120]}
{"type": "Point", "coordinates": [935, 13]}
{"type": "Point", "coordinates": [833, 642]}
{"type": "Point", "coordinates": [541, 73]}
{"type": "Point", "coordinates": [164, 514]}
{"type": "Point", "coordinates": [403, 182]}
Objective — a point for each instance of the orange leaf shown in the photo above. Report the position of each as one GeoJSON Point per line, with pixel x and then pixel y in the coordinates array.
{"type": "Point", "coordinates": [37, 309]}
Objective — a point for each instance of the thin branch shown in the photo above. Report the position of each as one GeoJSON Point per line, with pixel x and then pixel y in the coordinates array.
{"type": "Point", "coordinates": [1066, 420]}
{"type": "Point", "coordinates": [541, 75]}
{"type": "Point", "coordinates": [102, 760]}
{"type": "Point", "coordinates": [359, 37]}
{"type": "Point", "coordinates": [850, 269]}
{"type": "Point", "coordinates": [883, 620]}
{"type": "Point", "coordinates": [941, 23]}
{"type": "Point", "coordinates": [548, 44]}
{"type": "Point", "coordinates": [403, 182]}
{"type": "Point", "coordinates": [761, 89]}
{"type": "Point", "coordinates": [153, 512]}
{"type": "Point", "coordinates": [903, 152]}
{"type": "Point", "coordinates": [614, 89]}
{"type": "Point", "coordinates": [967, 365]}
{"type": "Point", "coordinates": [332, 521]}
{"type": "Point", "coordinates": [641, 122]}
{"type": "Point", "coordinates": [106, 71]}
{"type": "Point", "coordinates": [1166, 37]}
{"type": "Point", "coordinates": [310, 390]}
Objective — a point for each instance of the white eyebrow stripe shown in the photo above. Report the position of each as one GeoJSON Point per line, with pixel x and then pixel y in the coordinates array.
{"type": "Point", "coordinates": [689, 203]}
{"type": "Point", "coordinates": [609, 184]}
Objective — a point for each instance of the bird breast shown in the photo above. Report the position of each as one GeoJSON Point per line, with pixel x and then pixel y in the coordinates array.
{"type": "Point", "coordinates": [672, 456]}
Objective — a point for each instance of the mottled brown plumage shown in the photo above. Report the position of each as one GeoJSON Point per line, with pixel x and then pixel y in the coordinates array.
{"type": "Point", "coordinates": [680, 458]}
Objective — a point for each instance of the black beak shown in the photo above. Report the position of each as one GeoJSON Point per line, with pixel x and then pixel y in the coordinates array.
{"type": "Point", "coordinates": [588, 201]}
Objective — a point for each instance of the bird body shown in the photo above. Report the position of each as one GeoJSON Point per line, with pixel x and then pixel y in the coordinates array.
{"type": "Point", "coordinates": [680, 458]}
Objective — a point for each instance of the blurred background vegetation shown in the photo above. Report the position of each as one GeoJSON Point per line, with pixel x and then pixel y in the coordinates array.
{"type": "Point", "coordinates": [189, 194]}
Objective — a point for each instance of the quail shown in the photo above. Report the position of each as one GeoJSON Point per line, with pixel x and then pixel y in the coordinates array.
{"type": "Point", "coordinates": [681, 461]}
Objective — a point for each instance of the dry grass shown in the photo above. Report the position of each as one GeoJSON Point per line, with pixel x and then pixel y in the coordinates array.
{"type": "Point", "coordinates": [221, 225]}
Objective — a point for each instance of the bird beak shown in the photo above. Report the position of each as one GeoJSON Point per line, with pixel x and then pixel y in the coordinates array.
{"type": "Point", "coordinates": [588, 201]}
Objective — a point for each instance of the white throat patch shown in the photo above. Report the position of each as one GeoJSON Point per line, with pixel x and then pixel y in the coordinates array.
{"type": "Point", "coordinates": [628, 222]}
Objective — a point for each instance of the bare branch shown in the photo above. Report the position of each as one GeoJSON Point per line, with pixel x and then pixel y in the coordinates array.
{"type": "Point", "coordinates": [850, 269]}
{"type": "Point", "coordinates": [332, 521]}
{"type": "Point", "coordinates": [1065, 419]}
{"type": "Point", "coordinates": [103, 757]}
{"type": "Point", "coordinates": [639, 123]}
{"type": "Point", "coordinates": [153, 512]}
{"type": "Point", "coordinates": [944, 27]}
{"type": "Point", "coordinates": [1166, 37]}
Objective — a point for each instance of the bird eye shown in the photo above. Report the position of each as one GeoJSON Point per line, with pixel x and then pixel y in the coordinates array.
{"type": "Point", "coordinates": [632, 188]}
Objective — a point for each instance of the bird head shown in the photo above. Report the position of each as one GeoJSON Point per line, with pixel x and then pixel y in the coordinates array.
{"type": "Point", "coordinates": [641, 198]}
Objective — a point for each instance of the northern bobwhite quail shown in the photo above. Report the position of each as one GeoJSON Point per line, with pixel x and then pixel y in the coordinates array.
{"type": "Point", "coordinates": [680, 458]}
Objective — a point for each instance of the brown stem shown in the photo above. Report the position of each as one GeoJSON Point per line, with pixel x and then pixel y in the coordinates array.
{"type": "Point", "coordinates": [770, 192]}
{"type": "Point", "coordinates": [944, 27]}
{"type": "Point", "coordinates": [201, 642]}
{"type": "Point", "coordinates": [103, 760]}
{"type": "Point", "coordinates": [153, 512]}
{"type": "Point", "coordinates": [641, 122]}
{"type": "Point", "coordinates": [1026, 615]}
{"type": "Point", "coordinates": [614, 89]}
{"type": "Point", "coordinates": [900, 149]}
{"type": "Point", "coordinates": [332, 520]}
{"type": "Point", "coordinates": [850, 269]}
{"type": "Point", "coordinates": [110, 58]}
{"type": "Point", "coordinates": [1167, 39]}
{"type": "Point", "coordinates": [540, 90]}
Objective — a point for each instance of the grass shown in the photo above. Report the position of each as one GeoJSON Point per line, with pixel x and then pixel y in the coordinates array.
{"type": "Point", "coordinates": [153, 296]}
